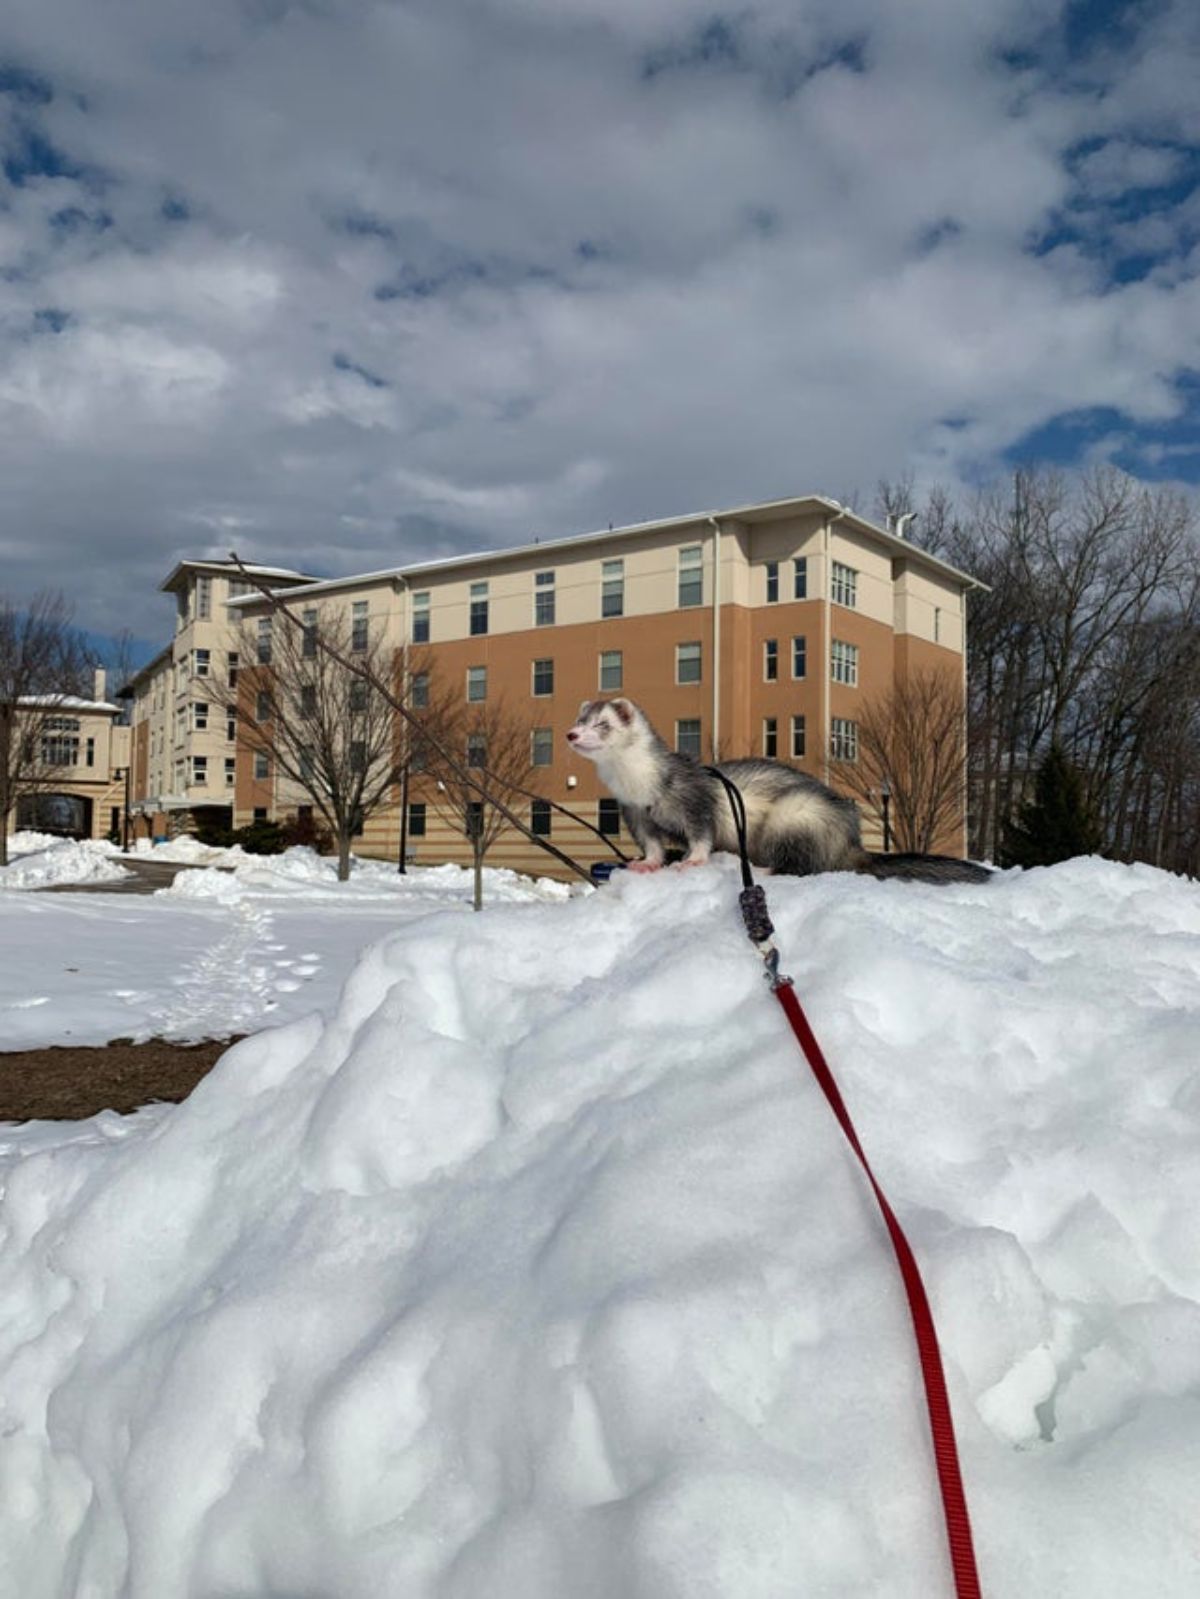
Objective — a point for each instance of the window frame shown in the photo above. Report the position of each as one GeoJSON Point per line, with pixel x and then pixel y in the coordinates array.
{"type": "Point", "coordinates": [697, 661]}
{"type": "Point", "coordinates": [546, 665]}
{"type": "Point", "coordinates": [843, 585]}
{"type": "Point", "coordinates": [689, 722]}
{"type": "Point", "coordinates": [611, 688]}
{"type": "Point", "coordinates": [612, 588]}
{"type": "Point", "coordinates": [690, 576]}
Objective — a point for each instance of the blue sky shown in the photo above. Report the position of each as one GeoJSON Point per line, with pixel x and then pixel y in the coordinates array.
{"type": "Point", "coordinates": [352, 283]}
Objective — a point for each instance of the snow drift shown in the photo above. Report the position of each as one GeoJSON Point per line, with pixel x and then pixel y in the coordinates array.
{"type": "Point", "coordinates": [542, 1269]}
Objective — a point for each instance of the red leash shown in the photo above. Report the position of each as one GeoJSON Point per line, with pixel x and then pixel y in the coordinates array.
{"type": "Point", "coordinates": [941, 1423]}
{"type": "Point", "coordinates": [753, 903]}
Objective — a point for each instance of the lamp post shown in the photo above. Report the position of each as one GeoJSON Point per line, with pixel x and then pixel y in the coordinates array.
{"type": "Point", "coordinates": [885, 794]}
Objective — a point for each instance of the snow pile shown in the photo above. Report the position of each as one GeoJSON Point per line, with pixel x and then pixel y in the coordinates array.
{"type": "Point", "coordinates": [59, 860]}
{"type": "Point", "coordinates": [191, 852]}
{"type": "Point", "coordinates": [301, 871]}
{"type": "Point", "coordinates": [542, 1268]}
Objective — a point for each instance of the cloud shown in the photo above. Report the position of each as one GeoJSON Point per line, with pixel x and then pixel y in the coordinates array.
{"type": "Point", "coordinates": [366, 282]}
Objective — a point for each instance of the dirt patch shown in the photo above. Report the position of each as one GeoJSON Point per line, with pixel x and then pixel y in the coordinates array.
{"type": "Point", "coordinates": [67, 1083]}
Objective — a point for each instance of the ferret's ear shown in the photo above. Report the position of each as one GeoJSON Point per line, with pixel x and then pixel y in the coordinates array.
{"type": "Point", "coordinates": [584, 708]}
{"type": "Point", "coordinates": [625, 711]}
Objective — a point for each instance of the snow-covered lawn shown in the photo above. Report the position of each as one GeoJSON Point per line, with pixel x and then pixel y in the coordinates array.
{"type": "Point", "coordinates": [536, 1265]}
{"type": "Point", "coordinates": [217, 953]}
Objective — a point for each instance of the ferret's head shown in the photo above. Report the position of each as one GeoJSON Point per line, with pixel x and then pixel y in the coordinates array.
{"type": "Point", "coordinates": [605, 727]}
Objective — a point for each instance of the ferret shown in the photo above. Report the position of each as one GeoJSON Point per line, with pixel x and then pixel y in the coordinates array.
{"type": "Point", "coordinates": [670, 803]}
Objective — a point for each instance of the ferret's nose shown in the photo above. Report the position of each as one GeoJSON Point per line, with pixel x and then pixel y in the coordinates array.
{"type": "Point", "coordinates": [572, 735]}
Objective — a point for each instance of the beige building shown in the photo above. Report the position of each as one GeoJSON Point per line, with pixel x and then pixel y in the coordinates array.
{"type": "Point", "coordinates": [79, 781]}
{"type": "Point", "coordinates": [759, 630]}
{"type": "Point", "coordinates": [183, 744]}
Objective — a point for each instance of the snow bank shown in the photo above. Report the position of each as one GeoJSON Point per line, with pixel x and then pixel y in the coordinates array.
{"type": "Point", "coordinates": [300, 871]}
{"type": "Point", "coordinates": [39, 860]}
{"type": "Point", "coordinates": [542, 1269]}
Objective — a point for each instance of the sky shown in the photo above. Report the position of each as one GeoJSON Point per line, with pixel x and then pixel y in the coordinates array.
{"type": "Point", "coordinates": [346, 283]}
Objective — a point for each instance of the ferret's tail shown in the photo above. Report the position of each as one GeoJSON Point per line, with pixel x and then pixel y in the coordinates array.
{"type": "Point", "coordinates": [924, 868]}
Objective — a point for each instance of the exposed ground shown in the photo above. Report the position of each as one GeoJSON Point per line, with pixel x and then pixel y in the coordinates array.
{"type": "Point", "coordinates": [69, 1083]}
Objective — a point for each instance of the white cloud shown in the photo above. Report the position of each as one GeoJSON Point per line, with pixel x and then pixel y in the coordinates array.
{"type": "Point", "coordinates": [364, 281]}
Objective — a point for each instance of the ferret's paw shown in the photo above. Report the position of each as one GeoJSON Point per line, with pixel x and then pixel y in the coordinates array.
{"type": "Point", "coordinates": [644, 866]}
{"type": "Point", "coordinates": [699, 860]}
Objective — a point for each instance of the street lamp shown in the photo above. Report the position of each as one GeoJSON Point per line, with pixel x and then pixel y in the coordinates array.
{"type": "Point", "coordinates": [885, 794]}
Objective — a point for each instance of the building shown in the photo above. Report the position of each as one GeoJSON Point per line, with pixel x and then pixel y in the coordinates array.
{"type": "Point", "coordinates": [183, 744]}
{"type": "Point", "coordinates": [759, 630]}
{"type": "Point", "coordinates": [77, 786]}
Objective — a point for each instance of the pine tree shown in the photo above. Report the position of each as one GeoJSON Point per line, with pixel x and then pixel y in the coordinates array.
{"type": "Point", "coordinates": [1058, 822]}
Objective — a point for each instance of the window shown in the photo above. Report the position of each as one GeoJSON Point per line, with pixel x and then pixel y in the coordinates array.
{"type": "Point", "coordinates": [358, 696]}
{"type": "Point", "coordinates": [230, 771]}
{"type": "Point", "coordinates": [201, 662]}
{"type": "Point", "coordinates": [200, 716]}
{"type": "Point", "coordinates": [416, 819]}
{"type": "Point", "coordinates": [770, 660]}
{"type": "Point", "coordinates": [539, 818]}
{"type": "Point", "coordinates": [612, 588]}
{"type": "Point", "coordinates": [308, 698]}
{"type": "Point", "coordinates": [476, 749]}
{"type": "Point", "coordinates": [771, 568]}
{"type": "Point", "coordinates": [262, 706]}
{"type": "Point", "coordinates": [608, 818]}
{"type": "Point", "coordinates": [687, 663]}
{"type": "Point", "coordinates": [474, 819]}
{"type": "Point", "coordinates": [844, 663]}
{"type": "Point", "coordinates": [264, 641]}
{"type": "Point", "coordinates": [238, 586]}
{"type": "Point", "coordinates": [420, 617]}
{"type": "Point", "coordinates": [799, 656]}
{"type": "Point", "coordinates": [358, 761]}
{"type": "Point", "coordinates": [479, 609]}
{"type": "Point", "coordinates": [476, 683]}
{"type": "Point", "coordinates": [843, 739]}
{"type": "Point", "coordinates": [307, 763]}
{"type": "Point", "coordinates": [60, 745]}
{"type": "Point", "coordinates": [611, 674]}
{"type": "Point", "coordinates": [233, 668]}
{"type": "Point", "coordinates": [800, 578]}
{"type": "Point", "coordinates": [308, 641]}
{"type": "Point", "coordinates": [260, 813]}
{"type": "Point", "coordinates": [203, 598]}
{"type": "Point", "coordinates": [89, 758]}
{"type": "Point", "coordinates": [543, 678]}
{"type": "Point", "coordinates": [418, 692]}
{"type": "Point", "coordinates": [230, 729]}
{"type": "Point", "coordinates": [200, 769]}
{"type": "Point", "coordinates": [543, 599]}
{"type": "Point", "coordinates": [359, 626]}
{"type": "Point", "coordinates": [937, 625]}
{"type": "Point", "coordinates": [541, 746]}
{"type": "Point", "coordinates": [262, 765]}
{"type": "Point", "coordinates": [844, 588]}
{"type": "Point", "coordinates": [797, 738]}
{"type": "Point", "coordinates": [691, 575]}
{"type": "Point", "coordinates": [770, 737]}
{"type": "Point", "coordinates": [687, 736]}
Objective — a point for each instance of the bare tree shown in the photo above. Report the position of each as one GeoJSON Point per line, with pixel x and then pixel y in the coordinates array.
{"type": "Point", "coordinates": [913, 739]}
{"type": "Point", "coordinates": [494, 747]}
{"type": "Point", "coordinates": [313, 718]}
{"type": "Point", "coordinates": [44, 662]}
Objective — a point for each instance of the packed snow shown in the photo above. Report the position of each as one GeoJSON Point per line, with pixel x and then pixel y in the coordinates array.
{"type": "Point", "coordinates": [40, 860]}
{"type": "Point", "coordinates": [539, 1267]}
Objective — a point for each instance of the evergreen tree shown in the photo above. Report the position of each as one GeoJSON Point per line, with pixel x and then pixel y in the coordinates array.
{"type": "Point", "coordinates": [1057, 823]}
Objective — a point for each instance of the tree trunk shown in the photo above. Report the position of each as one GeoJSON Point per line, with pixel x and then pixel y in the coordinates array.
{"type": "Point", "coordinates": [343, 848]}
{"type": "Point", "coordinates": [478, 878]}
